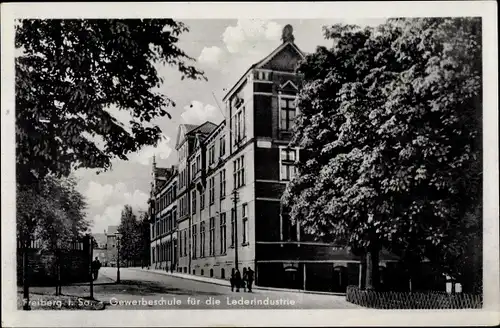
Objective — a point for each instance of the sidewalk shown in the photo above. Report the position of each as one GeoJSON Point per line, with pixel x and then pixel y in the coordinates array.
{"type": "Point", "coordinates": [226, 283]}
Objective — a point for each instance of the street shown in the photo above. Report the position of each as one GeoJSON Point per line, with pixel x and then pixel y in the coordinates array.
{"type": "Point", "coordinates": [140, 289]}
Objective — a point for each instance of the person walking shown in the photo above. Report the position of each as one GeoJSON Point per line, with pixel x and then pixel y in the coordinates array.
{"type": "Point", "coordinates": [250, 277]}
{"type": "Point", "coordinates": [244, 280]}
{"type": "Point", "coordinates": [232, 279]}
{"type": "Point", "coordinates": [96, 265]}
{"type": "Point", "coordinates": [237, 280]}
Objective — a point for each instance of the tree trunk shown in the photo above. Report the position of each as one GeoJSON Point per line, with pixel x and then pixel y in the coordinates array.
{"type": "Point", "coordinates": [372, 268]}
{"type": "Point", "coordinates": [362, 273]}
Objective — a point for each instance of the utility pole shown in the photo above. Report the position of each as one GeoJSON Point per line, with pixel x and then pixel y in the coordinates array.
{"type": "Point", "coordinates": [26, 290]}
{"type": "Point", "coordinates": [118, 241]}
{"type": "Point", "coordinates": [236, 198]}
{"type": "Point", "coordinates": [90, 239]}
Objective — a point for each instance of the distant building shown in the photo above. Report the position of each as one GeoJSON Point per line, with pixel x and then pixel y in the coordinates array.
{"type": "Point", "coordinates": [247, 156]}
{"type": "Point", "coordinates": [100, 248]}
{"type": "Point", "coordinates": [111, 246]}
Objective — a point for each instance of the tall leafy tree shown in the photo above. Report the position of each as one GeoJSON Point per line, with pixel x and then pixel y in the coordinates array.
{"type": "Point", "coordinates": [391, 124]}
{"type": "Point", "coordinates": [53, 213]}
{"type": "Point", "coordinates": [130, 244]}
{"type": "Point", "coordinates": [70, 72]}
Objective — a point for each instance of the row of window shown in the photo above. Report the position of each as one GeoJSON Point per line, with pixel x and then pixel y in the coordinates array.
{"type": "Point", "coordinates": [166, 224]}
{"type": "Point", "coordinates": [167, 198]}
{"type": "Point", "coordinates": [199, 245]}
{"type": "Point", "coordinates": [164, 252]}
{"type": "Point", "coordinates": [290, 232]}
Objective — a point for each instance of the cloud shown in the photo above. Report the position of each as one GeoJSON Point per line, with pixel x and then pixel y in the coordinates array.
{"type": "Point", "coordinates": [198, 113]}
{"type": "Point", "coordinates": [248, 33]}
{"type": "Point", "coordinates": [211, 55]}
{"type": "Point", "coordinates": [109, 200]}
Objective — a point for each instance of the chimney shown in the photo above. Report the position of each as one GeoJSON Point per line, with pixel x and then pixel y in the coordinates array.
{"type": "Point", "coordinates": [287, 34]}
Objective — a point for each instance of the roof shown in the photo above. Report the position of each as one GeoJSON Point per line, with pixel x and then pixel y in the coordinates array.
{"type": "Point", "coordinates": [264, 61]}
{"type": "Point", "coordinates": [100, 238]}
{"type": "Point", "coordinates": [205, 128]}
{"type": "Point", "coordinates": [189, 127]}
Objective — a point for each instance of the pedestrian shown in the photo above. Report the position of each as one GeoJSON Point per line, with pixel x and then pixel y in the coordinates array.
{"type": "Point", "coordinates": [250, 277]}
{"type": "Point", "coordinates": [232, 279]}
{"type": "Point", "coordinates": [96, 265]}
{"type": "Point", "coordinates": [244, 279]}
{"type": "Point", "coordinates": [237, 280]}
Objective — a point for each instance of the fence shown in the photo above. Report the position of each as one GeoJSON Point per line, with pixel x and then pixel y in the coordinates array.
{"type": "Point", "coordinates": [42, 264]}
{"type": "Point", "coordinates": [412, 300]}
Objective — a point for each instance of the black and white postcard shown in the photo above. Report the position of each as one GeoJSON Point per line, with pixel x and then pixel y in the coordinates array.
{"type": "Point", "coordinates": [217, 162]}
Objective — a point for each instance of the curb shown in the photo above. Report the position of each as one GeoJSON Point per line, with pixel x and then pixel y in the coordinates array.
{"type": "Point", "coordinates": [226, 284]}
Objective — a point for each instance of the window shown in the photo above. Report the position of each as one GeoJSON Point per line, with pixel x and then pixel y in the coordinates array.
{"type": "Point", "coordinates": [238, 125]}
{"type": "Point", "coordinates": [202, 239]}
{"type": "Point", "coordinates": [245, 223]}
{"type": "Point", "coordinates": [287, 163]}
{"type": "Point", "coordinates": [211, 155]}
{"type": "Point", "coordinates": [193, 201]}
{"type": "Point", "coordinates": [198, 162]}
{"type": "Point", "coordinates": [211, 190]}
{"type": "Point", "coordinates": [222, 146]}
{"type": "Point", "coordinates": [181, 243]}
{"type": "Point", "coordinates": [174, 218]}
{"type": "Point", "coordinates": [185, 242]}
{"type": "Point", "coordinates": [193, 170]}
{"type": "Point", "coordinates": [233, 227]}
{"type": "Point", "coordinates": [194, 241]}
{"type": "Point", "coordinates": [289, 228]}
{"type": "Point", "coordinates": [211, 246]}
{"type": "Point", "coordinates": [239, 172]}
{"type": "Point", "coordinates": [202, 199]}
{"type": "Point", "coordinates": [223, 233]}
{"type": "Point", "coordinates": [223, 183]}
{"type": "Point", "coordinates": [288, 112]}
{"type": "Point", "coordinates": [174, 191]}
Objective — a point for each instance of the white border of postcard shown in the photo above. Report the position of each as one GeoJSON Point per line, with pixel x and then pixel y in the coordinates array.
{"type": "Point", "coordinates": [489, 315]}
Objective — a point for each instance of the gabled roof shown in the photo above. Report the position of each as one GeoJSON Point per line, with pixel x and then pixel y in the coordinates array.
{"type": "Point", "coordinates": [205, 128]}
{"type": "Point", "coordinates": [190, 129]}
{"type": "Point", "coordinates": [264, 61]}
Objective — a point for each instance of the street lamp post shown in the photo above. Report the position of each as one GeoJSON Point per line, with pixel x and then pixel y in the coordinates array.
{"type": "Point", "coordinates": [235, 200]}
{"type": "Point", "coordinates": [118, 236]}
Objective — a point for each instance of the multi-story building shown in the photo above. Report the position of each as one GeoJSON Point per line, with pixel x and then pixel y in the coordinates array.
{"type": "Point", "coordinates": [231, 177]}
{"type": "Point", "coordinates": [163, 218]}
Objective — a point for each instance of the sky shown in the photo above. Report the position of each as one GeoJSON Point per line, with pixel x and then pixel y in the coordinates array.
{"type": "Point", "coordinates": [224, 50]}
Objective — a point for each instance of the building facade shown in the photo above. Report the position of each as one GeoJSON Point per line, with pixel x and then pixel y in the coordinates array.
{"type": "Point", "coordinates": [231, 177]}
{"type": "Point", "coordinates": [163, 218]}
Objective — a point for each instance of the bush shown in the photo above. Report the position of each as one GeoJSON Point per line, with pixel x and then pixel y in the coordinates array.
{"type": "Point", "coordinates": [412, 300]}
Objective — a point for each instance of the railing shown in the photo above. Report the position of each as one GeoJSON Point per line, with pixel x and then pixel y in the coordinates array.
{"type": "Point", "coordinates": [413, 300]}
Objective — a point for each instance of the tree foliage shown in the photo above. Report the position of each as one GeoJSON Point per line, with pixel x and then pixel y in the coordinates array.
{"type": "Point", "coordinates": [131, 244]}
{"type": "Point", "coordinates": [391, 125]}
{"type": "Point", "coordinates": [51, 212]}
{"type": "Point", "coordinates": [70, 72]}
